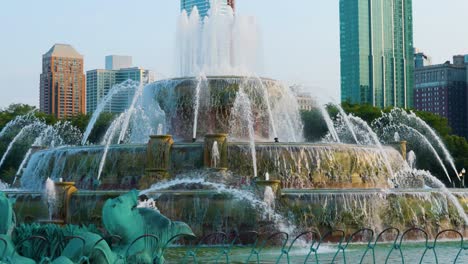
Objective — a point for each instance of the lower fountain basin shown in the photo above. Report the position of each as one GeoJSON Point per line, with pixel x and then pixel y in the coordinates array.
{"type": "Point", "coordinates": [211, 210]}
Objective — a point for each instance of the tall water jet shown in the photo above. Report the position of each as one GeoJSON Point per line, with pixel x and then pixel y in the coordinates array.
{"type": "Point", "coordinates": [202, 81]}
{"type": "Point", "coordinates": [116, 89]}
{"type": "Point", "coordinates": [223, 44]}
{"type": "Point", "coordinates": [160, 130]}
{"type": "Point", "coordinates": [51, 196]}
{"type": "Point", "coordinates": [215, 156]}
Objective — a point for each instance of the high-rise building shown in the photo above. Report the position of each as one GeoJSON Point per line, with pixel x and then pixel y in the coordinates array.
{"type": "Point", "coordinates": [376, 42]}
{"type": "Point", "coordinates": [62, 82]}
{"type": "Point", "coordinates": [99, 82]}
{"type": "Point", "coordinates": [204, 5]}
{"type": "Point", "coordinates": [443, 89]}
{"type": "Point", "coordinates": [117, 62]}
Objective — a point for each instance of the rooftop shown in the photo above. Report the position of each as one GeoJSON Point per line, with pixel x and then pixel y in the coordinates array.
{"type": "Point", "coordinates": [63, 50]}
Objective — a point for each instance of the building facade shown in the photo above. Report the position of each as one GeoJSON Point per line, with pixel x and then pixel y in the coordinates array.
{"type": "Point", "coordinates": [421, 59]}
{"type": "Point", "coordinates": [443, 89]}
{"type": "Point", "coordinates": [376, 44]}
{"type": "Point", "coordinates": [117, 62]}
{"type": "Point", "coordinates": [204, 6]}
{"type": "Point", "coordinates": [99, 82]}
{"type": "Point", "coordinates": [62, 82]}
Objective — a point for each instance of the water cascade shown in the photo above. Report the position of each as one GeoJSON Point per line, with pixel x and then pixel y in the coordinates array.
{"type": "Point", "coordinates": [243, 111]}
{"type": "Point", "coordinates": [376, 142]}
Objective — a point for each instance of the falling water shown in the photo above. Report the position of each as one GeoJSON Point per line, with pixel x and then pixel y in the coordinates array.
{"type": "Point", "coordinates": [347, 122]}
{"type": "Point", "coordinates": [376, 141]}
{"type": "Point", "coordinates": [110, 133]}
{"type": "Point", "coordinates": [399, 116]}
{"type": "Point", "coordinates": [51, 196]}
{"type": "Point", "coordinates": [266, 98]}
{"type": "Point", "coordinates": [267, 176]}
{"type": "Point", "coordinates": [429, 145]}
{"type": "Point", "coordinates": [16, 138]}
{"type": "Point", "coordinates": [20, 121]}
{"type": "Point", "coordinates": [129, 112]}
{"type": "Point", "coordinates": [125, 86]}
{"type": "Point", "coordinates": [428, 176]}
{"type": "Point", "coordinates": [196, 103]}
{"type": "Point", "coordinates": [243, 110]}
{"type": "Point", "coordinates": [282, 223]}
{"type": "Point", "coordinates": [215, 155]}
{"type": "Point", "coordinates": [434, 135]}
{"type": "Point", "coordinates": [329, 122]}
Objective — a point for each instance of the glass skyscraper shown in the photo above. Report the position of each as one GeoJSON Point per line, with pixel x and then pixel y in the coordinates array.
{"type": "Point", "coordinates": [99, 82]}
{"type": "Point", "coordinates": [376, 43]}
{"type": "Point", "coordinates": [203, 5]}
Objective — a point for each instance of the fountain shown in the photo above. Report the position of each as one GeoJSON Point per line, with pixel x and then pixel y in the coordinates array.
{"type": "Point", "coordinates": [212, 135]}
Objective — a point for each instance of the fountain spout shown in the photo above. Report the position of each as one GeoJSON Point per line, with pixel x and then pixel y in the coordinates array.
{"type": "Point", "coordinates": [215, 151]}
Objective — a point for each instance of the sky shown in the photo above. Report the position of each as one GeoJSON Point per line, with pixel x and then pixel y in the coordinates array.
{"type": "Point", "coordinates": [300, 38]}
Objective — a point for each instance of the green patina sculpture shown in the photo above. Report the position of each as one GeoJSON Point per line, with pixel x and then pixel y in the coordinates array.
{"type": "Point", "coordinates": [122, 217]}
{"type": "Point", "coordinates": [7, 248]}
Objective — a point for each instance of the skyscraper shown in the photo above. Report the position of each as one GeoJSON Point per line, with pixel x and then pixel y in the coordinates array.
{"type": "Point", "coordinates": [99, 82]}
{"type": "Point", "coordinates": [62, 82]}
{"type": "Point", "coordinates": [203, 5]}
{"type": "Point", "coordinates": [376, 42]}
{"type": "Point", "coordinates": [117, 62]}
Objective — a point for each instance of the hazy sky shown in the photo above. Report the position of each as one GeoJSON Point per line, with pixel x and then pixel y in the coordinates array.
{"type": "Point", "coordinates": [300, 37]}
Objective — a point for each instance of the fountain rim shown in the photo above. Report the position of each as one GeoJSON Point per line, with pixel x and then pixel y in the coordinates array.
{"type": "Point", "coordinates": [259, 144]}
{"type": "Point", "coordinates": [217, 77]}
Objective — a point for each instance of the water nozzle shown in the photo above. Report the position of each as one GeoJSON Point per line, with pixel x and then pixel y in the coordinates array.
{"type": "Point", "coordinates": [276, 140]}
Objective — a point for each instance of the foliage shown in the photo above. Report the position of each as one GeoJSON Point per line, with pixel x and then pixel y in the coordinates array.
{"type": "Point", "coordinates": [17, 153]}
{"type": "Point", "coordinates": [315, 127]}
